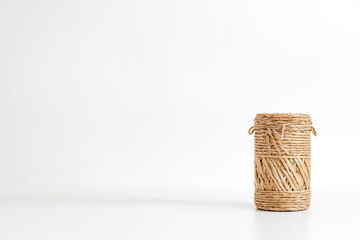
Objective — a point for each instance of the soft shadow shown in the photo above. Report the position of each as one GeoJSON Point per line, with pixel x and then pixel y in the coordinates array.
{"type": "Point", "coordinates": [282, 225]}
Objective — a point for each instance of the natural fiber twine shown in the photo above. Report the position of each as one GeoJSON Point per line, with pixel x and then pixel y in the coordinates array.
{"type": "Point", "coordinates": [282, 161]}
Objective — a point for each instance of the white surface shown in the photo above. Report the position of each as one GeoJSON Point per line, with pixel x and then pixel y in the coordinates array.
{"type": "Point", "coordinates": [143, 96]}
{"type": "Point", "coordinates": [209, 215]}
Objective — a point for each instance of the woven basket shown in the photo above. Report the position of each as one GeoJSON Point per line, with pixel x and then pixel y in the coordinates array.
{"type": "Point", "coordinates": [282, 161]}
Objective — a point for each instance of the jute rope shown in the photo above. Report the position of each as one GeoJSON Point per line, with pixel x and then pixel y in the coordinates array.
{"type": "Point", "coordinates": [282, 161]}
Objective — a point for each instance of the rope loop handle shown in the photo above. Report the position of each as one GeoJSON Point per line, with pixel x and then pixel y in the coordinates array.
{"type": "Point", "coordinates": [251, 130]}
{"type": "Point", "coordinates": [313, 131]}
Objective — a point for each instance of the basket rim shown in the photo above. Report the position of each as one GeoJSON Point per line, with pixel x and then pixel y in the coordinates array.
{"type": "Point", "coordinates": [282, 115]}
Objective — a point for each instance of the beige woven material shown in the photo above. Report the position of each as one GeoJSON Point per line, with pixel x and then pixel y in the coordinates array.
{"type": "Point", "coordinates": [282, 161]}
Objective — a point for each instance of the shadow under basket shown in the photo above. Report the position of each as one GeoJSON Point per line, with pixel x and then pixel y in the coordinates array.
{"type": "Point", "coordinates": [282, 161]}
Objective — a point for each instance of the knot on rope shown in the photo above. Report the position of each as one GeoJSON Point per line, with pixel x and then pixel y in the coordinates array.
{"type": "Point", "coordinates": [283, 130]}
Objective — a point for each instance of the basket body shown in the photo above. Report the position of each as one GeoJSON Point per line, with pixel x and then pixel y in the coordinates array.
{"type": "Point", "coordinates": [282, 161]}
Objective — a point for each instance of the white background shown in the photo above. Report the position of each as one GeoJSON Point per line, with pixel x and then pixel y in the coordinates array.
{"type": "Point", "coordinates": [153, 99]}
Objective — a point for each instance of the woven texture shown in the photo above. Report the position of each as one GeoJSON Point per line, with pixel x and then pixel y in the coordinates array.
{"type": "Point", "coordinates": [282, 161]}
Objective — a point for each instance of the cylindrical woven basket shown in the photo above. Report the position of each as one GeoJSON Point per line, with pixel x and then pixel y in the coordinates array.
{"type": "Point", "coordinates": [282, 161]}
